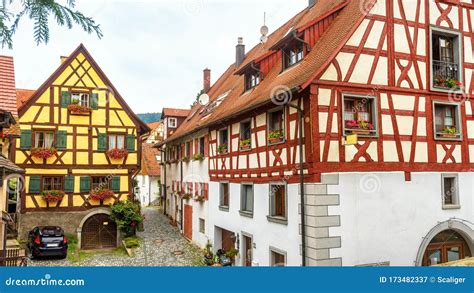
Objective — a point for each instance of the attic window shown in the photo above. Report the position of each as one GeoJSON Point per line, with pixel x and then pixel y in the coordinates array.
{"type": "Point", "coordinates": [81, 99]}
{"type": "Point", "coordinates": [252, 79]}
{"type": "Point", "coordinates": [293, 54]}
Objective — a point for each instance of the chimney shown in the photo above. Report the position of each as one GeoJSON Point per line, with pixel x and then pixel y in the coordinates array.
{"type": "Point", "coordinates": [239, 52]}
{"type": "Point", "coordinates": [311, 3]}
{"type": "Point", "coordinates": [207, 80]}
{"type": "Point", "coordinates": [63, 59]}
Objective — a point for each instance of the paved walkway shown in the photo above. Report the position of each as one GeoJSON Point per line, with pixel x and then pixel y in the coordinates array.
{"type": "Point", "coordinates": [162, 246]}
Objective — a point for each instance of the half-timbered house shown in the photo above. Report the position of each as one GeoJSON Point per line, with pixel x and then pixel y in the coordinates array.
{"type": "Point", "coordinates": [380, 91]}
{"type": "Point", "coordinates": [80, 146]}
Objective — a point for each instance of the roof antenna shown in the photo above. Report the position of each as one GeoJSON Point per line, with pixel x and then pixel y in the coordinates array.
{"type": "Point", "coordinates": [264, 30]}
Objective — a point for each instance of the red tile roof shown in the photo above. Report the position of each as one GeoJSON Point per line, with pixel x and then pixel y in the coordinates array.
{"type": "Point", "coordinates": [297, 77]}
{"type": "Point", "coordinates": [150, 165]}
{"type": "Point", "coordinates": [169, 112]}
{"type": "Point", "coordinates": [154, 125]}
{"type": "Point", "coordinates": [7, 85]}
{"type": "Point", "coordinates": [22, 96]}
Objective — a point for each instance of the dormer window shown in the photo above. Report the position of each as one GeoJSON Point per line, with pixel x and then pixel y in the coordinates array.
{"type": "Point", "coordinates": [252, 79]}
{"type": "Point", "coordinates": [293, 54]}
{"type": "Point", "coordinates": [445, 59]}
{"type": "Point", "coordinates": [81, 99]}
{"type": "Point", "coordinates": [172, 122]}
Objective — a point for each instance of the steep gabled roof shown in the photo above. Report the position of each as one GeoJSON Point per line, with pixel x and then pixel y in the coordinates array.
{"type": "Point", "coordinates": [7, 85]}
{"type": "Point", "coordinates": [81, 49]}
{"type": "Point", "coordinates": [170, 112]}
{"type": "Point", "coordinates": [296, 78]}
{"type": "Point", "coordinates": [150, 165]}
{"type": "Point", "coordinates": [22, 96]}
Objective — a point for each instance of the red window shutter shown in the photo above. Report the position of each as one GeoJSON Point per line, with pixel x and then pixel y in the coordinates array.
{"type": "Point", "coordinates": [206, 146]}
{"type": "Point", "coordinates": [172, 186]}
{"type": "Point", "coordinates": [196, 188]}
{"type": "Point", "coordinates": [196, 145]}
{"type": "Point", "coordinates": [206, 191]}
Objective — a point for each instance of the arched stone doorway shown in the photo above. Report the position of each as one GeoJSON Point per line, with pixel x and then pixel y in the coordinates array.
{"type": "Point", "coordinates": [448, 241]}
{"type": "Point", "coordinates": [98, 231]}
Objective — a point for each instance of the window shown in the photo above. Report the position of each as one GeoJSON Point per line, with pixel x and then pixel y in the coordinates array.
{"type": "Point", "coordinates": [245, 135]}
{"type": "Point", "coordinates": [201, 145]}
{"type": "Point", "coordinates": [158, 158]}
{"type": "Point", "coordinates": [276, 121]}
{"type": "Point", "coordinates": [100, 182]}
{"type": "Point", "coordinates": [52, 183]}
{"type": "Point", "coordinates": [223, 147]}
{"type": "Point", "coordinates": [277, 258]}
{"type": "Point", "coordinates": [80, 99]}
{"type": "Point", "coordinates": [224, 195]}
{"type": "Point", "coordinates": [246, 201]}
{"type": "Point", "coordinates": [293, 54]}
{"type": "Point", "coordinates": [202, 225]}
{"type": "Point", "coordinates": [360, 115]}
{"type": "Point", "coordinates": [450, 191]}
{"type": "Point", "coordinates": [278, 201]}
{"type": "Point", "coordinates": [252, 80]}
{"type": "Point", "coordinates": [447, 121]}
{"type": "Point", "coordinates": [116, 141]}
{"type": "Point", "coordinates": [172, 122]}
{"type": "Point", "coordinates": [188, 150]}
{"type": "Point", "coordinates": [445, 55]}
{"type": "Point", "coordinates": [44, 139]}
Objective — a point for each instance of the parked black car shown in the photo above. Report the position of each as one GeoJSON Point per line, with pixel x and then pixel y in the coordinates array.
{"type": "Point", "coordinates": [47, 241]}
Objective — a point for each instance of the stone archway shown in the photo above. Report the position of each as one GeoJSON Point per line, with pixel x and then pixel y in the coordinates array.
{"type": "Point", "coordinates": [86, 221]}
{"type": "Point", "coordinates": [454, 225]}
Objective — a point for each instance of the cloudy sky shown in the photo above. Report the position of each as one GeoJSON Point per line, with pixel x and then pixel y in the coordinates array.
{"type": "Point", "coordinates": [153, 51]}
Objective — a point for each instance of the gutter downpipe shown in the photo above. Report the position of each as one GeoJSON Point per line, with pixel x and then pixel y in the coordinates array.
{"type": "Point", "coordinates": [163, 155]}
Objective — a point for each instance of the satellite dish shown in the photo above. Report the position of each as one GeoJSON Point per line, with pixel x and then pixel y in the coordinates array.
{"type": "Point", "coordinates": [264, 30]}
{"type": "Point", "coordinates": [204, 99]}
{"type": "Point", "coordinates": [264, 39]}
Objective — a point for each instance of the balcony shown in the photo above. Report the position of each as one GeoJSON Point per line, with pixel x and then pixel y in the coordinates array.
{"type": "Point", "coordinates": [446, 75]}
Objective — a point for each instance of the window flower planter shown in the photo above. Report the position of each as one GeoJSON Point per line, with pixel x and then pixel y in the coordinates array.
{"type": "Point", "coordinates": [198, 157]}
{"type": "Point", "coordinates": [245, 145]}
{"type": "Point", "coordinates": [447, 83]}
{"type": "Point", "coordinates": [187, 196]}
{"type": "Point", "coordinates": [449, 132]}
{"type": "Point", "coordinates": [185, 159]}
{"type": "Point", "coordinates": [199, 199]}
{"type": "Point", "coordinates": [359, 127]}
{"type": "Point", "coordinates": [77, 109]}
{"type": "Point", "coordinates": [53, 196]}
{"type": "Point", "coordinates": [43, 153]}
{"type": "Point", "coordinates": [101, 194]}
{"type": "Point", "coordinates": [275, 136]}
{"type": "Point", "coordinates": [222, 149]}
{"type": "Point", "coordinates": [117, 154]}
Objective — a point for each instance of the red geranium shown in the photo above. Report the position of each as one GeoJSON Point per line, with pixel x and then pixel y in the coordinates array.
{"type": "Point", "coordinates": [78, 109]}
{"type": "Point", "coordinates": [101, 194]}
{"type": "Point", "coordinates": [53, 195]}
{"type": "Point", "coordinates": [43, 153]}
{"type": "Point", "coordinates": [117, 154]}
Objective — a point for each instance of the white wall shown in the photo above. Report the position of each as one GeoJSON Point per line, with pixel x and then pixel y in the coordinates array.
{"type": "Point", "coordinates": [149, 189]}
{"type": "Point", "coordinates": [265, 234]}
{"type": "Point", "coordinates": [384, 218]}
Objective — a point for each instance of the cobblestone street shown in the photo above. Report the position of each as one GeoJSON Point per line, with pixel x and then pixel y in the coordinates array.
{"type": "Point", "coordinates": [162, 245]}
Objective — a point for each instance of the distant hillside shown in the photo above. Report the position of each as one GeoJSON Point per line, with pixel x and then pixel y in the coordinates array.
{"type": "Point", "coordinates": [150, 117]}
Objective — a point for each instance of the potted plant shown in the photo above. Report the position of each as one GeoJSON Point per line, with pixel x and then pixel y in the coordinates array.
{"type": "Point", "coordinates": [222, 149]}
{"type": "Point", "coordinates": [117, 154]}
{"type": "Point", "coordinates": [275, 136]}
{"type": "Point", "coordinates": [43, 153]}
{"type": "Point", "coordinates": [198, 157]}
{"type": "Point", "coordinates": [359, 127]}
{"type": "Point", "coordinates": [449, 132]}
{"type": "Point", "coordinates": [232, 253]}
{"type": "Point", "coordinates": [187, 196]}
{"type": "Point", "coordinates": [101, 194]}
{"type": "Point", "coordinates": [127, 215]}
{"type": "Point", "coordinates": [185, 159]}
{"type": "Point", "coordinates": [53, 196]}
{"type": "Point", "coordinates": [199, 198]}
{"type": "Point", "coordinates": [245, 145]}
{"type": "Point", "coordinates": [77, 109]}
{"type": "Point", "coordinates": [453, 83]}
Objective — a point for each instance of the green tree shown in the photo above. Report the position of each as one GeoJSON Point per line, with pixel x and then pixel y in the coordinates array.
{"type": "Point", "coordinates": [40, 11]}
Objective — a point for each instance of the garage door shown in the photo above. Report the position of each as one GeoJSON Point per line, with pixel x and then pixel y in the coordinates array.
{"type": "Point", "coordinates": [99, 232]}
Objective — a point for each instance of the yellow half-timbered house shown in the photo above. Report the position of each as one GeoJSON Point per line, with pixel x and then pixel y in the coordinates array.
{"type": "Point", "coordinates": [80, 146]}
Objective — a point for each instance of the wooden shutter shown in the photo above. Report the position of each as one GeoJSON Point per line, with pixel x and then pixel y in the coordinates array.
{"type": "Point", "coordinates": [206, 191]}
{"type": "Point", "coordinates": [69, 184]}
{"type": "Point", "coordinates": [130, 142]}
{"type": "Point", "coordinates": [61, 140]}
{"type": "Point", "coordinates": [102, 142]}
{"type": "Point", "coordinates": [35, 184]}
{"type": "Point", "coordinates": [95, 101]}
{"type": "Point", "coordinates": [85, 184]}
{"type": "Point", "coordinates": [65, 99]}
{"type": "Point", "coordinates": [25, 139]}
{"type": "Point", "coordinates": [116, 183]}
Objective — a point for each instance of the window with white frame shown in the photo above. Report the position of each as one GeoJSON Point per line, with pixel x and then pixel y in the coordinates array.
{"type": "Point", "coordinates": [450, 190]}
{"type": "Point", "coordinates": [116, 141]}
{"type": "Point", "coordinates": [172, 122]}
{"type": "Point", "coordinates": [82, 99]}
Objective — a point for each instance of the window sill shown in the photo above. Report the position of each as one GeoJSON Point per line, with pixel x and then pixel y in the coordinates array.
{"type": "Point", "coordinates": [248, 149]}
{"type": "Point", "coordinates": [271, 143]}
{"type": "Point", "coordinates": [80, 113]}
{"type": "Point", "coordinates": [446, 90]}
{"type": "Point", "coordinates": [451, 207]}
{"type": "Point", "coordinates": [246, 214]}
{"type": "Point", "coordinates": [442, 138]}
{"type": "Point", "coordinates": [224, 208]}
{"type": "Point", "coordinates": [278, 220]}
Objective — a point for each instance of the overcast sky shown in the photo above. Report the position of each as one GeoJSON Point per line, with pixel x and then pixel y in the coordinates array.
{"type": "Point", "coordinates": [153, 51]}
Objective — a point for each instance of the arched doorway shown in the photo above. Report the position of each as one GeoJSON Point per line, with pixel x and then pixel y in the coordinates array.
{"type": "Point", "coordinates": [446, 246]}
{"type": "Point", "coordinates": [99, 232]}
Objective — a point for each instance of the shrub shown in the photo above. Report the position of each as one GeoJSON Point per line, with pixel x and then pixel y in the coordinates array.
{"type": "Point", "coordinates": [128, 217]}
{"type": "Point", "coordinates": [132, 242]}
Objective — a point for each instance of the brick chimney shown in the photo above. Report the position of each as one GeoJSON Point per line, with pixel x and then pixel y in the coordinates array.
{"type": "Point", "coordinates": [207, 80]}
{"type": "Point", "coordinates": [239, 52]}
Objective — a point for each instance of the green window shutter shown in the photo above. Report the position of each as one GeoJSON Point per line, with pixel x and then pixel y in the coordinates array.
{"type": "Point", "coordinates": [65, 99]}
{"type": "Point", "coordinates": [61, 140]}
{"type": "Point", "coordinates": [69, 184]}
{"type": "Point", "coordinates": [95, 101]}
{"type": "Point", "coordinates": [131, 143]}
{"type": "Point", "coordinates": [85, 184]}
{"type": "Point", "coordinates": [25, 139]}
{"type": "Point", "coordinates": [102, 142]}
{"type": "Point", "coordinates": [116, 183]}
{"type": "Point", "coordinates": [35, 184]}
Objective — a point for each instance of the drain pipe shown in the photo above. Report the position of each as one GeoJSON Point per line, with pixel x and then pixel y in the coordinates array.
{"type": "Point", "coordinates": [302, 195]}
{"type": "Point", "coordinates": [163, 159]}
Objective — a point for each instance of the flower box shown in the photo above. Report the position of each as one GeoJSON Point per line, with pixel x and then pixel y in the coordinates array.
{"type": "Point", "coordinates": [185, 159]}
{"type": "Point", "coordinates": [275, 136]}
{"type": "Point", "coordinates": [449, 132]}
{"type": "Point", "coordinates": [275, 140]}
{"type": "Point", "coordinates": [77, 109]}
{"type": "Point", "coordinates": [448, 135]}
{"type": "Point", "coordinates": [245, 145]}
{"type": "Point", "coordinates": [199, 198]}
{"type": "Point", "coordinates": [360, 131]}
{"type": "Point", "coordinates": [222, 149]}
{"type": "Point", "coordinates": [359, 127]}
{"type": "Point", "coordinates": [117, 154]}
{"type": "Point", "coordinates": [101, 194]}
{"type": "Point", "coordinates": [447, 83]}
{"type": "Point", "coordinates": [53, 196]}
{"type": "Point", "coordinates": [43, 153]}
{"type": "Point", "coordinates": [187, 196]}
{"type": "Point", "coordinates": [198, 157]}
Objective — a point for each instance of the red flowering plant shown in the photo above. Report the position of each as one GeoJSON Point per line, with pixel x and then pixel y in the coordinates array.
{"type": "Point", "coordinates": [364, 125]}
{"type": "Point", "coordinates": [117, 154]}
{"type": "Point", "coordinates": [53, 195]}
{"type": "Point", "coordinates": [101, 194]}
{"type": "Point", "coordinates": [43, 153]}
{"type": "Point", "coordinates": [75, 108]}
{"type": "Point", "coordinates": [5, 136]}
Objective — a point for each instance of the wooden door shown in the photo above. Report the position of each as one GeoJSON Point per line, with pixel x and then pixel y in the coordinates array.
{"type": "Point", "coordinates": [248, 251]}
{"type": "Point", "coordinates": [99, 232]}
{"type": "Point", "coordinates": [227, 240]}
{"type": "Point", "coordinates": [188, 221]}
